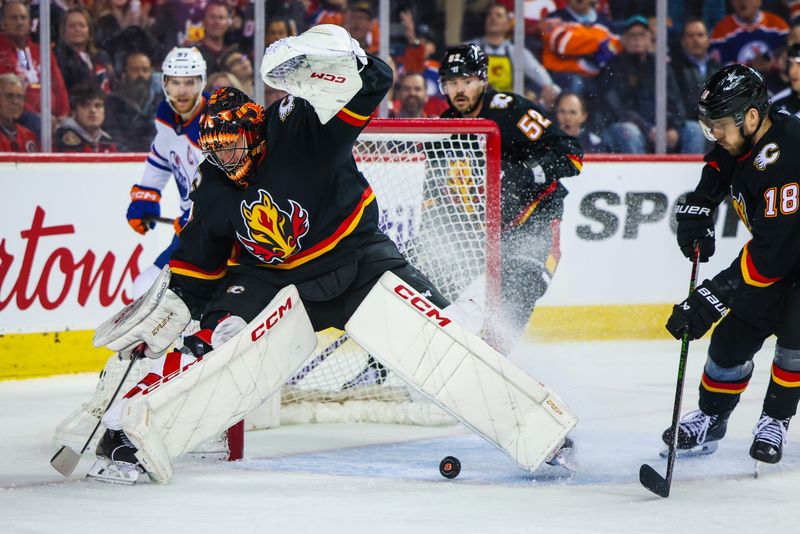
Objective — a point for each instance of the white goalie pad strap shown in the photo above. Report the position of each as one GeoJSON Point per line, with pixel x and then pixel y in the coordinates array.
{"type": "Point", "coordinates": [461, 373]}
{"type": "Point", "coordinates": [203, 398]}
{"type": "Point", "coordinates": [321, 66]}
{"type": "Point", "coordinates": [157, 318]}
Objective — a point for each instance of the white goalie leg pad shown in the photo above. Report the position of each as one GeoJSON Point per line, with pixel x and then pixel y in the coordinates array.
{"type": "Point", "coordinates": [201, 399]}
{"type": "Point", "coordinates": [460, 373]}
{"type": "Point", "coordinates": [156, 318]}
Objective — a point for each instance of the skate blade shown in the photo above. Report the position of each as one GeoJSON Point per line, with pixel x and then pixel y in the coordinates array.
{"type": "Point", "coordinates": [564, 458]}
{"type": "Point", "coordinates": [701, 450]}
{"type": "Point", "coordinates": [109, 472]}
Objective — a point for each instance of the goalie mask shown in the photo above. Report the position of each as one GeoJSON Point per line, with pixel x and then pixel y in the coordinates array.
{"type": "Point", "coordinates": [232, 134]}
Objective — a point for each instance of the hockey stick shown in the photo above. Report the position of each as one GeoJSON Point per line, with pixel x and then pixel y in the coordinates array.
{"type": "Point", "coordinates": [648, 476]}
{"type": "Point", "coordinates": [313, 364]}
{"type": "Point", "coordinates": [163, 220]}
{"type": "Point", "coordinates": [65, 460]}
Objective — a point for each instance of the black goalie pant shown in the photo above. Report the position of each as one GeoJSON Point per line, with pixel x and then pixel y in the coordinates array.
{"type": "Point", "coordinates": [737, 338]}
{"type": "Point", "coordinates": [329, 299]}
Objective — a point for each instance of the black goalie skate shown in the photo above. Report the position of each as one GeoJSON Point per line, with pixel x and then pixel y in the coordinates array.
{"type": "Point", "coordinates": [698, 434]}
{"type": "Point", "coordinates": [116, 460]}
{"type": "Point", "coordinates": [373, 374]}
{"type": "Point", "coordinates": [770, 437]}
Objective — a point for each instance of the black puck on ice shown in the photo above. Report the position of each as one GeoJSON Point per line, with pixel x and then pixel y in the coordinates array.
{"type": "Point", "coordinates": [450, 467]}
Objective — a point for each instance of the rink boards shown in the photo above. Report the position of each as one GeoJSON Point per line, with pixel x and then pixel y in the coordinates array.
{"type": "Point", "coordinates": [68, 256]}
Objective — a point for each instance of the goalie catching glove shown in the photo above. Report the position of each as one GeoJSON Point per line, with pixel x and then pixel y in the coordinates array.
{"type": "Point", "coordinates": [321, 66]}
{"type": "Point", "coordinates": [156, 318]}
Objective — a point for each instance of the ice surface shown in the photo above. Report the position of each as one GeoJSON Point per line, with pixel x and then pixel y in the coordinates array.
{"type": "Point", "coordinates": [384, 478]}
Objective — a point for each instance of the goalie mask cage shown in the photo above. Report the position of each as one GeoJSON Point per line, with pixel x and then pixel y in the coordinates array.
{"type": "Point", "coordinates": [437, 184]}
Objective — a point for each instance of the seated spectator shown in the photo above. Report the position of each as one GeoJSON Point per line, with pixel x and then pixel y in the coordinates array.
{"type": "Point", "coordinates": [221, 79]}
{"type": "Point", "coordinates": [499, 51]}
{"type": "Point", "coordinates": [628, 95]}
{"type": "Point", "coordinates": [216, 22]}
{"type": "Point", "coordinates": [172, 24]}
{"type": "Point", "coordinates": [577, 44]}
{"type": "Point", "coordinates": [113, 16]}
{"type": "Point", "coordinates": [238, 65]}
{"type": "Point", "coordinates": [789, 99]}
{"type": "Point", "coordinates": [794, 30]}
{"type": "Point", "coordinates": [21, 56]}
{"type": "Point", "coordinates": [411, 98]}
{"type": "Point", "coordinates": [78, 58]}
{"type": "Point", "coordinates": [329, 12]}
{"type": "Point", "coordinates": [749, 36]}
{"type": "Point", "coordinates": [82, 131]}
{"type": "Point", "coordinates": [242, 30]}
{"type": "Point", "coordinates": [277, 29]}
{"type": "Point", "coordinates": [420, 57]}
{"type": "Point", "coordinates": [693, 65]}
{"type": "Point", "coordinates": [360, 22]}
{"type": "Point", "coordinates": [13, 136]}
{"type": "Point", "coordinates": [292, 11]}
{"type": "Point", "coordinates": [572, 115]}
{"type": "Point", "coordinates": [131, 106]}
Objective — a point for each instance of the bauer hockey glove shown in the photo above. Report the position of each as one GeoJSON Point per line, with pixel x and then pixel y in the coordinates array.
{"type": "Point", "coordinates": [698, 312]}
{"type": "Point", "coordinates": [695, 217]}
{"type": "Point", "coordinates": [144, 205]}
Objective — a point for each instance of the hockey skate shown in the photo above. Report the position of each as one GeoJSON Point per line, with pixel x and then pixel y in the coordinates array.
{"type": "Point", "coordinates": [770, 437]}
{"type": "Point", "coordinates": [373, 374]}
{"type": "Point", "coordinates": [698, 434]}
{"type": "Point", "coordinates": [116, 460]}
{"type": "Point", "coordinates": [563, 457]}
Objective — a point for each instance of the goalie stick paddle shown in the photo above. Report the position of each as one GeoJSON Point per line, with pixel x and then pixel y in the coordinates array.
{"type": "Point", "coordinates": [648, 476]}
{"type": "Point", "coordinates": [65, 460]}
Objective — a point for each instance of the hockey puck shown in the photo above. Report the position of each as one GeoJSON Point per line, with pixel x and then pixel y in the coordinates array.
{"type": "Point", "coordinates": [450, 467]}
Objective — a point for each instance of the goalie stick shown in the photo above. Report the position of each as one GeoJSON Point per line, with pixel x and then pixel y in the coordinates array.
{"type": "Point", "coordinates": [648, 476]}
{"type": "Point", "coordinates": [65, 460]}
{"type": "Point", "coordinates": [313, 364]}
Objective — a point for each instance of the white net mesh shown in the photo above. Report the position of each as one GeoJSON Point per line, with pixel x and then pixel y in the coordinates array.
{"type": "Point", "coordinates": [431, 192]}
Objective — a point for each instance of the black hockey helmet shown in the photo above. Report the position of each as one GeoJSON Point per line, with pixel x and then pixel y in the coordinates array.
{"type": "Point", "coordinates": [731, 91]}
{"type": "Point", "coordinates": [464, 60]}
{"type": "Point", "coordinates": [230, 114]}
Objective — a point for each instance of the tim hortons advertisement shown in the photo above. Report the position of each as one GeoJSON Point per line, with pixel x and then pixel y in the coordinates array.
{"type": "Point", "coordinates": [68, 256]}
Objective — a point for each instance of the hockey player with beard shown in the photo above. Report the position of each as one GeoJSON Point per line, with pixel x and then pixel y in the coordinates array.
{"type": "Point", "coordinates": [535, 155]}
{"type": "Point", "coordinates": [174, 153]}
{"type": "Point", "coordinates": [283, 218]}
{"type": "Point", "coordinates": [753, 161]}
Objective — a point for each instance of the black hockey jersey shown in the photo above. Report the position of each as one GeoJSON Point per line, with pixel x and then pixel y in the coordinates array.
{"type": "Point", "coordinates": [528, 139]}
{"type": "Point", "coordinates": [763, 185]}
{"type": "Point", "coordinates": [787, 100]}
{"type": "Point", "coordinates": [308, 211]}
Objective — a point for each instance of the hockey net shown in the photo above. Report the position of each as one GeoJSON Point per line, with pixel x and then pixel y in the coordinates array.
{"type": "Point", "coordinates": [437, 187]}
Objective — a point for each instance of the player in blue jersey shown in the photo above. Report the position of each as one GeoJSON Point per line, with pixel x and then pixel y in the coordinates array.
{"type": "Point", "coordinates": [174, 152]}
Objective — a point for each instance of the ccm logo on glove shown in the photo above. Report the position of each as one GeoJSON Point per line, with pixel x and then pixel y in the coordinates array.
{"type": "Point", "coordinates": [328, 77]}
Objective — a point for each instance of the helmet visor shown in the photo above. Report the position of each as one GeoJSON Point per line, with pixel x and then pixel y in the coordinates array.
{"type": "Point", "coordinates": [714, 129]}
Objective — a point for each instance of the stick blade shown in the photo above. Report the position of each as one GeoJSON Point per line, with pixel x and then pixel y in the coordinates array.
{"type": "Point", "coordinates": [65, 461]}
{"type": "Point", "coordinates": [654, 482]}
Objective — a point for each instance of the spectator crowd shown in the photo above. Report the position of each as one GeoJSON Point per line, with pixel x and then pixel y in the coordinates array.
{"type": "Point", "coordinates": [589, 63]}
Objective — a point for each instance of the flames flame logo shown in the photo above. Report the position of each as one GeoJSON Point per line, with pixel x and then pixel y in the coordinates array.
{"type": "Point", "coordinates": [272, 234]}
{"type": "Point", "coordinates": [741, 209]}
